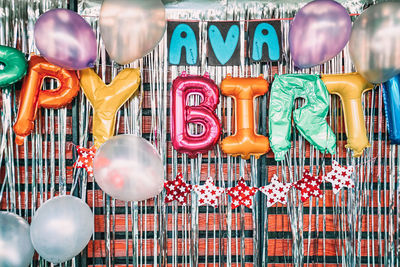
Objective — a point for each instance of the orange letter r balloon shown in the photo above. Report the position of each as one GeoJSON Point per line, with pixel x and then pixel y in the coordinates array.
{"type": "Point", "coordinates": [245, 141]}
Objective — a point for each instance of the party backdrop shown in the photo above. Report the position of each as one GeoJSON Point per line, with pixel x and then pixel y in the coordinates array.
{"type": "Point", "coordinates": [356, 227]}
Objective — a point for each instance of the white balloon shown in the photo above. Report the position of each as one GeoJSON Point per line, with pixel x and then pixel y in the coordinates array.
{"type": "Point", "coordinates": [131, 28]}
{"type": "Point", "coordinates": [61, 228]}
{"type": "Point", "coordinates": [128, 168]}
{"type": "Point", "coordinates": [16, 249]}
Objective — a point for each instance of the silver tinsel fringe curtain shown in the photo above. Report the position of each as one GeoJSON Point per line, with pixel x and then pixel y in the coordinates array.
{"type": "Point", "coordinates": [357, 227]}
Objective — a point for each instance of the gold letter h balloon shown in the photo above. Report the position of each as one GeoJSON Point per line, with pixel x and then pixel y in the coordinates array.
{"type": "Point", "coordinates": [107, 99]}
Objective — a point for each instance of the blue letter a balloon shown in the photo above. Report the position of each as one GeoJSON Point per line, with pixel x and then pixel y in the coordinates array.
{"type": "Point", "coordinates": [391, 96]}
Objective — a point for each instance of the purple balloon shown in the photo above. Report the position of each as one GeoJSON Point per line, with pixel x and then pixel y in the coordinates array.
{"type": "Point", "coordinates": [65, 39]}
{"type": "Point", "coordinates": [319, 31]}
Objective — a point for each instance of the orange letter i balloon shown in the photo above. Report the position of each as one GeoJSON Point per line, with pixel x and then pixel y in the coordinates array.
{"type": "Point", "coordinates": [32, 96]}
{"type": "Point", "coordinates": [245, 141]}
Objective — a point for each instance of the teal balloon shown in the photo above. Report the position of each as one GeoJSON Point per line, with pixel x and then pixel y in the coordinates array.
{"type": "Point", "coordinates": [310, 119]}
{"type": "Point", "coordinates": [15, 66]}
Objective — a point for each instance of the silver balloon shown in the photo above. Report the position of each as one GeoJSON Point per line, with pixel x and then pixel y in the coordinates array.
{"type": "Point", "coordinates": [16, 249]}
{"type": "Point", "coordinates": [131, 28]}
{"type": "Point", "coordinates": [61, 228]}
{"type": "Point", "coordinates": [375, 42]}
{"type": "Point", "coordinates": [128, 168]}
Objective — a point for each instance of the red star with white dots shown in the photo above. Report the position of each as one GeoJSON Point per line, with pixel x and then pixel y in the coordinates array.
{"type": "Point", "coordinates": [85, 159]}
{"type": "Point", "coordinates": [242, 194]}
{"type": "Point", "coordinates": [309, 186]}
{"type": "Point", "coordinates": [177, 190]}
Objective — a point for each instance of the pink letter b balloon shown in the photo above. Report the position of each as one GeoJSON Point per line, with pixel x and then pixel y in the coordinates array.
{"type": "Point", "coordinates": [65, 39]}
{"type": "Point", "coordinates": [319, 31]}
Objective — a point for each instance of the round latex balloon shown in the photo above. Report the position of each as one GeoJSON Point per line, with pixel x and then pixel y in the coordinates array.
{"type": "Point", "coordinates": [375, 42]}
{"type": "Point", "coordinates": [65, 39]}
{"type": "Point", "coordinates": [16, 249]}
{"type": "Point", "coordinates": [128, 168]}
{"type": "Point", "coordinates": [61, 228]}
{"type": "Point", "coordinates": [131, 28]}
{"type": "Point", "coordinates": [318, 32]}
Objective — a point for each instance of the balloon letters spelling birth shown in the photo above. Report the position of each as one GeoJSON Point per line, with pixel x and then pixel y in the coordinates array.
{"type": "Point", "coordinates": [350, 87]}
{"type": "Point", "coordinates": [202, 114]}
{"type": "Point", "coordinates": [245, 142]}
{"type": "Point", "coordinates": [107, 99]}
{"type": "Point", "coordinates": [310, 119]}
{"type": "Point", "coordinates": [32, 97]}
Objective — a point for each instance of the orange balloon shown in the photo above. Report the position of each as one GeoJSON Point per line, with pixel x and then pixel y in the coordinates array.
{"type": "Point", "coordinates": [32, 97]}
{"type": "Point", "coordinates": [245, 141]}
{"type": "Point", "coordinates": [107, 99]}
{"type": "Point", "coordinates": [350, 87]}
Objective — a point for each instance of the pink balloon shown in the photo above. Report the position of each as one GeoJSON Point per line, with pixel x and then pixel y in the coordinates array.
{"type": "Point", "coordinates": [202, 114]}
{"type": "Point", "coordinates": [65, 39]}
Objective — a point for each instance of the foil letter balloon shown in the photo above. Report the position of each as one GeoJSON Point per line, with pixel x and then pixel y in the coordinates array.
{"type": "Point", "coordinates": [32, 96]}
{"type": "Point", "coordinates": [107, 99]}
{"type": "Point", "coordinates": [245, 142]}
{"type": "Point", "coordinates": [131, 28]}
{"type": "Point", "coordinates": [309, 119]}
{"type": "Point", "coordinates": [16, 248]}
{"type": "Point", "coordinates": [65, 39]}
{"type": "Point", "coordinates": [350, 87]}
{"type": "Point", "coordinates": [202, 114]}
{"type": "Point", "coordinates": [391, 96]}
{"type": "Point", "coordinates": [15, 65]}
{"type": "Point", "coordinates": [318, 32]}
{"type": "Point", "coordinates": [375, 42]}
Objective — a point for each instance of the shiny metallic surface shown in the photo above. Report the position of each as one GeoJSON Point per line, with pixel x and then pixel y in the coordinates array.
{"type": "Point", "coordinates": [65, 39]}
{"type": "Point", "coordinates": [16, 249]}
{"type": "Point", "coordinates": [375, 42]}
{"type": "Point", "coordinates": [61, 228]}
{"type": "Point", "coordinates": [131, 29]}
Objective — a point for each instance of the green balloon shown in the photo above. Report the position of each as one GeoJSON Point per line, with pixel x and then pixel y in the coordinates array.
{"type": "Point", "coordinates": [310, 119]}
{"type": "Point", "coordinates": [15, 65]}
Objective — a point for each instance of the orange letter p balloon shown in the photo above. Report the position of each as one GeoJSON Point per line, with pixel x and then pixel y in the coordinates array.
{"type": "Point", "coordinates": [245, 141]}
{"type": "Point", "coordinates": [33, 97]}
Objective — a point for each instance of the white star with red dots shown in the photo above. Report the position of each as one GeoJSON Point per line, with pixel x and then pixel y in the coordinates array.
{"type": "Point", "coordinates": [242, 194]}
{"type": "Point", "coordinates": [275, 191]}
{"type": "Point", "coordinates": [340, 177]}
{"type": "Point", "coordinates": [177, 190]}
{"type": "Point", "coordinates": [85, 159]}
{"type": "Point", "coordinates": [208, 193]}
{"type": "Point", "coordinates": [309, 186]}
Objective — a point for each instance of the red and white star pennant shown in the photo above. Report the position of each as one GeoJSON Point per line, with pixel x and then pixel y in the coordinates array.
{"type": "Point", "coordinates": [340, 177]}
{"type": "Point", "coordinates": [309, 186]}
{"type": "Point", "coordinates": [275, 191]}
{"type": "Point", "coordinates": [177, 190]}
{"type": "Point", "coordinates": [208, 193]}
{"type": "Point", "coordinates": [85, 159]}
{"type": "Point", "coordinates": [242, 194]}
